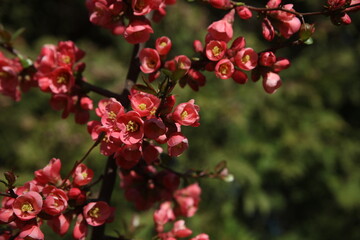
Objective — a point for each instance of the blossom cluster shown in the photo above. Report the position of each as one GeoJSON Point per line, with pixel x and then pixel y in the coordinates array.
{"type": "Point", "coordinates": [49, 197]}
{"type": "Point", "coordinates": [131, 135]}
{"type": "Point", "coordinates": [57, 69]}
{"type": "Point", "coordinates": [226, 62]}
{"type": "Point", "coordinates": [113, 15]}
{"type": "Point", "coordinates": [186, 201]}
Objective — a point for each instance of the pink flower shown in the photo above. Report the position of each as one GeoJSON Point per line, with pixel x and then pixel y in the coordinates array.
{"type": "Point", "coordinates": [163, 45]}
{"type": "Point", "coordinates": [55, 201]}
{"type": "Point", "coordinates": [131, 126]}
{"type": "Point", "coordinates": [201, 236]}
{"type": "Point", "coordinates": [246, 59]}
{"type": "Point", "coordinates": [128, 156]}
{"type": "Point", "coordinates": [271, 82]}
{"type": "Point", "coordinates": [154, 127]}
{"type": "Point", "coordinates": [267, 59]}
{"type": "Point", "coordinates": [82, 175]}
{"type": "Point", "coordinates": [80, 228]}
{"type": "Point", "coordinates": [177, 144]}
{"type": "Point", "coordinates": [180, 230]}
{"type": "Point", "coordinates": [61, 80]}
{"type": "Point", "coordinates": [288, 28]}
{"type": "Point", "coordinates": [188, 200]}
{"type": "Point", "coordinates": [9, 70]}
{"type": "Point", "coordinates": [215, 50]}
{"type": "Point", "coordinates": [60, 224]}
{"type": "Point", "coordinates": [138, 31]}
{"type": "Point", "coordinates": [163, 216]}
{"type": "Point", "coordinates": [224, 69]}
{"type": "Point", "coordinates": [97, 213]}
{"type": "Point", "coordinates": [141, 7]}
{"type": "Point", "coordinates": [144, 104]}
{"type": "Point", "coordinates": [28, 205]}
{"type": "Point", "coordinates": [31, 231]}
{"type": "Point", "coordinates": [187, 114]}
{"type": "Point", "coordinates": [150, 60]}
{"type": "Point", "coordinates": [50, 173]}
{"type": "Point", "coordinates": [222, 30]}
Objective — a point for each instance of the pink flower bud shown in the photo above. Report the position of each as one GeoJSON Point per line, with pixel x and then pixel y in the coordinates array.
{"type": "Point", "coordinates": [243, 12]}
{"type": "Point", "coordinates": [271, 82]}
{"type": "Point", "coordinates": [239, 77]}
{"type": "Point", "coordinates": [198, 47]}
{"type": "Point", "coordinates": [267, 59]}
{"type": "Point", "coordinates": [163, 45]}
{"type": "Point", "coordinates": [177, 144]}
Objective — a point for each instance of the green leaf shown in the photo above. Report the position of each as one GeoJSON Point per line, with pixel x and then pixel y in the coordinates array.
{"type": "Point", "coordinates": [17, 33]}
{"type": "Point", "coordinates": [309, 41]}
{"type": "Point", "coordinates": [143, 88]}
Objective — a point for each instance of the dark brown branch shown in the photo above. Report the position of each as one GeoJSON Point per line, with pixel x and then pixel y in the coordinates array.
{"type": "Point", "coordinates": [110, 173]}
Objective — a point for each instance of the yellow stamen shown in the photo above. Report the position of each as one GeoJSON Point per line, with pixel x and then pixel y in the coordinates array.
{"type": "Point", "coordinates": [62, 79]}
{"type": "Point", "coordinates": [184, 115]}
{"type": "Point", "coordinates": [112, 115]}
{"type": "Point", "coordinates": [224, 69]}
{"type": "Point", "coordinates": [27, 207]}
{"type": "Point", "coordinates": [94, 212]}
{"type": "Point", "coordinates": [84, 175]}
{"type": "Point", "coordinates": [245, 58]}
{"type": "Point", "coordinates": [66, 59]}
{"type": "Point", "coordinates": [142, 106]}
{"type": "Point", "coordinates": [216, 51]}
{"type": "Point", "coordinates": [132, 126]}
{"type": "Point", "coordinates": [163, 44]}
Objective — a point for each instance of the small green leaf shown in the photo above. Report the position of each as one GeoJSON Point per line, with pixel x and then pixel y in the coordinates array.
{"type": "Point", "coordinates": [309, 41]}
{"type": "Point", "coordinates": [26, 62]}
{"type": "Point", "coordinates": [143, 88]}
{"type": "Point", "coordinates": [17, 33]}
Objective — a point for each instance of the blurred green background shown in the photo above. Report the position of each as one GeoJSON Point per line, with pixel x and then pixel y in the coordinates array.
{"type": "Point", "coordinates": [295, 154]}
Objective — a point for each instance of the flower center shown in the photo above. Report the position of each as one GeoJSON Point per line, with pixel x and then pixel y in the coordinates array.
{"type": "Point", "coordinates": [224, 69]}
{"type": "Point", "coordinates": [184, 115]}
{"type": "Point", "coordinates": [66, 59]}
{"type": "Point", "coordinates": [94, 212]}
{"type": "Point", "coordinates": [3, 75]}
{"type": "Point", "coordinates": [245, 58]}
{"type": "Point", "coordinates": [62, 79]}
{"type": "Point", "coordinates": [163, 44]}
{"type": "Point", "coordinates": [84, 175]}
{"type": "Point", "coordinates": [142, 106]}
{"type": "Point", "coordinates": [27, 207]}
{"type": "Point", "coordinates": [132, 126]}
{"type": "Point", "coordinates": [112, 115]}
{"type": "Point", "coordinates": [216, 51]}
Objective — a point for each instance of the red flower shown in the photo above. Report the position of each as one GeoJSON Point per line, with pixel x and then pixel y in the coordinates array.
{"type": "Point", "coordinates": [246, 59]}
{"type": "Point", "coordinates": [138, 31]}
{"type": "Point", "coordinates": [187, 114]}
{"type": "Point", "coordinates": [131, 126]}
{"type": "Point", "coordinates": [150, 60]}
{"type": "Point", "coordinates": [28, 205]}
{"type": "Point", "coordinates": [96, 213]}
{"type": "Point", "coordinates": [224, 69]}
